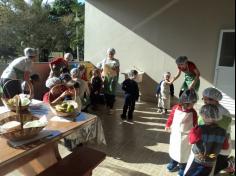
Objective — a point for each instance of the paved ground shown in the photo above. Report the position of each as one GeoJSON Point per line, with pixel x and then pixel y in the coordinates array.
{"type": "Point", "coordinates": [135, 149]}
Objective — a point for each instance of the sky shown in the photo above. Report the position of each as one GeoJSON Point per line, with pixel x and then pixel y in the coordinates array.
{"type": "Point", "coordinates": [50, 1]}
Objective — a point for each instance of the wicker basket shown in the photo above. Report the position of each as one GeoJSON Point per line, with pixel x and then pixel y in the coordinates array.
{"type": "Point", "coordinates": [22, 134]}
{"type": "Point", "coordinates": [72, 102]}
{"type": "Point", "coordinates": [5, 100]}
{"type": "Point", "coordinates": [13, 108]}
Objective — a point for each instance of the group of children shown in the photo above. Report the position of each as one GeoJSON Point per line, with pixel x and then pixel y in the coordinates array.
{"type": "Point", "coordinates": [200, 145]}
{"type": "Point", "coordinates": [72, 83]}
{"type": "Point", "coordinates": [209, 134]}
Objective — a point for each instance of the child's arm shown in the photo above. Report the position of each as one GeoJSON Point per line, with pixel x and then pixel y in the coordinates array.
{"type": "Point", "coordinates": [170, 118]}
{"type": "Point", "coordinates": [172, 90]}
{"type": "Point", "coordinates": [158, 89]}
{"type": "Point", "coordinates": [168, 82]}
{"type": "Point", "coordinates": [124, 85]}
{"type": "Point", "coordinates": [195, 135]}
{"type": "Point", "coordinates": [195, 118]}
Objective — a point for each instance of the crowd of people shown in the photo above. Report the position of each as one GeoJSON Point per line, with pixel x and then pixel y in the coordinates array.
{"type": "Point", "coordinates": [200, 143]}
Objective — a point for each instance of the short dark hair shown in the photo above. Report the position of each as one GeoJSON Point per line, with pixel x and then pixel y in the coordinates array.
{"type": "Point", "coordinates": [34, 77]}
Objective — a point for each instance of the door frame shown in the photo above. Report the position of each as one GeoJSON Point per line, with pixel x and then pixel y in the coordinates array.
{"type": "Point", "coordinates": [222, 31]}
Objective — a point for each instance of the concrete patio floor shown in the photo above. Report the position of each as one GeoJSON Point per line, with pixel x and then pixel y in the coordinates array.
{"type": "Point", "coordinates": [133, 149]}
{"type": "Point", "coordinates": [139, 148]}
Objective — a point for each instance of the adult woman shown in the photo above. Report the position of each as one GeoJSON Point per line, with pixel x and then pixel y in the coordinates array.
{"type": "Point", "coordinates": [110, 68]}
{"type": "Point", "coordinates": [58, 64]}
{"type": "Point", "coordinates": [18, 69]}
{"type": "Point", "coordinates": [192, 74]}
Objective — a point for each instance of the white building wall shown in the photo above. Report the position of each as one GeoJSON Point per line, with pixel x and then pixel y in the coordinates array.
{"type": "Point", "coordinates": [149, 35]}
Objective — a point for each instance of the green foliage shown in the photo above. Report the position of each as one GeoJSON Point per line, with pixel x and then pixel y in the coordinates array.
{"type": "Point", "coordinates": [38, 25]}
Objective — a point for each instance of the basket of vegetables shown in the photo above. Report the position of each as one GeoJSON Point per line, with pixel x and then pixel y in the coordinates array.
{"type": "Point", "coordinates": [19, 126]}
{"type": "Point", "coordinates": [9, 99]}
{"type": "Point", "coordinates": [63, 104]}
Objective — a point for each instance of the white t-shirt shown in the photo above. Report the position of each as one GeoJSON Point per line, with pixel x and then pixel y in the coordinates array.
{"type": "Point", "coordinates": [17, 68]}
{"type": "Point", "coordinates": [113, 63]}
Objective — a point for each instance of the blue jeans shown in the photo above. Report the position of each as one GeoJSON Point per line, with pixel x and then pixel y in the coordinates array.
{"type": "Point", "coordinates": [197, 169]}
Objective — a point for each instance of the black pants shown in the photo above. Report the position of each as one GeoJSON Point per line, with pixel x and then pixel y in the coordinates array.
{"type": "Point", "coordinates": [10, 87]}
{"type": "Point", "coordinates": [129, 105]}
{"type": "Point", "coordinates": [94, 98]}
{"type": "Point", "coordinates": [109, 99]}
{"type": "Point", "coordinates": [221, 163]}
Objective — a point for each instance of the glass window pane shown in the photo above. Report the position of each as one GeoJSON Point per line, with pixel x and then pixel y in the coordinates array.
{"type": "Point", "coordinates": [227, 55]}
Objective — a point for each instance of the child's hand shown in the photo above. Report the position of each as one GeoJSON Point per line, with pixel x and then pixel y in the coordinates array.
{"type": "Point", "coordinates": [167, 128]}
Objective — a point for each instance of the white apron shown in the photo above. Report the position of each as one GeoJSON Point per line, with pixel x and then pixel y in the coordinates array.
{"type": "Point", "coordinates": [180, 148]}
{"type": "Point", "coordinates": [164, 99]}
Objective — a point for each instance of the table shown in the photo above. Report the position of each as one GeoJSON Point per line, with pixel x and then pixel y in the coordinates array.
{"type": "Point", "coordinates": [33, 159]}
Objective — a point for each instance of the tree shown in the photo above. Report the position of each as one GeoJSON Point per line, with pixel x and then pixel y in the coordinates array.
{"type": "Point", "coordinates": [34, 25]}
{"type": "Point", "coordinates": [65, 11]}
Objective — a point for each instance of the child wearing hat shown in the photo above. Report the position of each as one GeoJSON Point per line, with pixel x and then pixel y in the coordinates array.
{"type": "Point", "coordinates": [181, 120]}
{"type": "Point", "coordinates": [131, 89]}
{"type": "Point", "coordinates": [213, 96]}
{"type": "Point", "coordinates": [164, 92]}
{"type": "Point", "coordinates": [207, 140]}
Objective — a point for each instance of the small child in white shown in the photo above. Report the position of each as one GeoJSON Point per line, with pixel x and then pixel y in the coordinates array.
{"type": "Point", "coordinates": [181, 120]}
{"type": "Point", "coordinates": [163, 93]}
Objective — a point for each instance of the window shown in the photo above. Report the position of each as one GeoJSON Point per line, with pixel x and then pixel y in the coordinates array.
{"type": "Point", "coordinates": [227, 53]}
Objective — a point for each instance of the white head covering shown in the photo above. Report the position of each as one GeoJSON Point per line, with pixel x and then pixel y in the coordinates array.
{"type": "Point", "coordinates": [52, 82]}
{"type": "Point", "coordinates": [212, 93]}
{"type": "Point", "coordinates": [68, 56]}
{"type": "Point", "coordinates": [188, 96]}
{"type": "Point", "coordinates": [74, 71]}
{"type": "Point", "coordinates": [29, 52]}
{"type": "Point", "coordinates": [210, 113]}
{"type": "Point", "coordinates": [111, 50]}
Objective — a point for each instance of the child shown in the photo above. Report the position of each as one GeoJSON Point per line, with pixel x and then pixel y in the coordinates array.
{"type": "Point", "coordinates": [84, 92]}
{"type": "Point", "coordinates": [96, 86]}
{"type": "Point", "coordinates": [164, 90]}
{"type": "Point", "coordinates": [131, 95]}
{"type": "Point", "coordinates": [183, 117]}
{"type": "Point", "coordinates": [208, 140]}
{"type": "Point", "coordinates": [32, 81]}
{"type": "Point", "coordinates": [213, 96]}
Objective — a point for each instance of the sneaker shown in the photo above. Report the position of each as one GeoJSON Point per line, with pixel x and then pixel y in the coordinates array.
{"type": "Point", "coordinates": [166, 112]}
{"type": "Point", "coordinates": [231, 165]}
{"type": "Point", "coordinates": [123, 117]}
{"type": "Point", "coordinates": [130, 120]}
{"type": "Point", "coordinates": [181, 172]}
{"type": "Point", "coordinates": [172, 167]}
{"type": "Point", "coordinates": [159, 111]}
